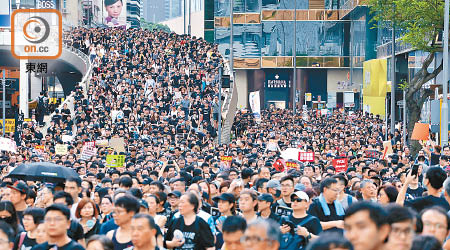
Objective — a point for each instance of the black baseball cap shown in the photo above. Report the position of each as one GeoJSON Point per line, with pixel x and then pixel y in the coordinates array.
{"type": "Point", "coordinates": [225, 197]}
{"type": "Point", "coordinates": [265, 197]}
{"type": "Point", "coordinates": [20, 186]}
{"type": "Point", "coordinates": [176, 193]}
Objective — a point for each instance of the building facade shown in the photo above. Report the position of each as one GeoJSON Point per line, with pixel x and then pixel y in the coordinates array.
{"type": "Point", "coordinates": [333, 39]}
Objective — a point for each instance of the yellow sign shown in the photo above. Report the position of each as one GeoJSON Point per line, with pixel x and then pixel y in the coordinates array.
{"type": "Point", "coordinates": [61, 149]}
{"type": "Point", "coordinates": [375, 86]}
{"type": "Point", "coordinates": [10, 125]}
{"type": "Point", "coordinates": [114, 161]}
{"type": "Point", "coordinates": [308, 97]}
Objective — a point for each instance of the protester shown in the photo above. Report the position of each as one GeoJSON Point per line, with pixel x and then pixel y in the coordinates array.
{"type": "Point", "coordinates": [366, 226]}
{"type": "Point", "coordinates": [233, 230]}
{"type": "Point", "coordinates": [6, 236]}
{"type": "Point", "coordinates": [152, 98]}
{"type": "Point", "coordinates": [189, 230]}
{"type": "Point", "coordinates": [330, 241]}
{"type": "Point", "coordinates": [32, 217]}
{"type": "Point", "coordinates": [262, 234]}
{"type": "Point", "coordinates": [99, 242]}
{"type": "Point", "coordinates": [327, 208]}
{"type": "Point", "coordinates": [402, 221]}
{"type": "Point", "coordinates": [57, 221]}
{"type": "Point", "coordinates": [125, 208]}
{"type": "Point", "coordinates": [143, 232]}
{"type": "Point", "coordinates": [435, 222]}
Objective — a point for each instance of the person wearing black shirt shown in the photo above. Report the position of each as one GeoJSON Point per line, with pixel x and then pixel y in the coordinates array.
{"type": "Point", "coordinates": [57, 221]}
{"type": "Point", "coordinates": [327, 208]}
{"type": "Point", "coordinates": [307, 225]}
{"type": "Point", "coordinates": [434, 180]}
{"type": "Point", "coordinates": [264, 207]}
{"type": "Point", "coordinates": [189, 231]}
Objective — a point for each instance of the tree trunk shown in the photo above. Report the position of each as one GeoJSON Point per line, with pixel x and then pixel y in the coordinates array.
{"type": "Point", "coordinates": [416, 97]}
{"type": "Point", "coordinates": [414, 111]}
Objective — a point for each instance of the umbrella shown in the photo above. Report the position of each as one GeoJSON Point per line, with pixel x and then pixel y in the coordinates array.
{"type": "Point", "coordinates": [42, 171]}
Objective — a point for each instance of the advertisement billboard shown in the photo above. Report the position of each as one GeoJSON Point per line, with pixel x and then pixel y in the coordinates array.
{"type": "Point", "coordinates": [5, 14]}
{"type": "Point", "coordinates": [114, 13]}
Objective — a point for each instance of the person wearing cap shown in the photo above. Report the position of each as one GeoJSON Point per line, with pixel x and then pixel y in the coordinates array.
{"type": "Point", "coordinates": [174, 199]}
{"type": "Point", "coordinates": [274, 188]}
{"type": "Point", "coordinates": [226, 205]}
{"type": "Point", "coordinates": [306, 225]}
{"type": "Point", "coordinates": [18, 196]}
{"type": "Point", "coordinates": [265, 202]}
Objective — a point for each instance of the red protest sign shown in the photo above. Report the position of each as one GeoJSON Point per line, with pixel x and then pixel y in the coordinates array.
{"type": "Point", "coordinates": [340, 165]}
{"type": "Point", "coordinates": [306, 156]}
{"type": "Point", "coordinates": [372, 154]}
{"type": "Point", "coordinates": [89, 144]}
{"type": "Point", "coordinates": [279, 165]}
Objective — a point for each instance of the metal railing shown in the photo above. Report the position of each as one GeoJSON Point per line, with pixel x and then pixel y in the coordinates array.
{"type": "Point", "coordinates": [71, 98]}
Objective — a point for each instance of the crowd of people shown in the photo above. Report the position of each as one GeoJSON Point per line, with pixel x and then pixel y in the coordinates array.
{"type": "Point", "coordinates": [178, 189]}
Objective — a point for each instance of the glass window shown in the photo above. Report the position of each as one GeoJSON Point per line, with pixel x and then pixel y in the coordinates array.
{"type": "Point", "coordinates": [222, 7]}
{"type": "Point", "coordinates": [285, 4]}
{"type": "Point", "coordinates": [247, 40]}
{"type": "Point", "coordinates": [314, 38]}
{"type": "Point", "coordinates": [252, 6]}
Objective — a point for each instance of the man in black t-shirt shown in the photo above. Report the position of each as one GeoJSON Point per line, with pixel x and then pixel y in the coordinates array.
{"type": "Point", "coordinates": [327, 208]}
{"type": "Point", "coordinates": [57, 221]}
{"type": "Point", "coordinates": [264, 208]}
{"type": "Point", "coordinates": [434, 180]}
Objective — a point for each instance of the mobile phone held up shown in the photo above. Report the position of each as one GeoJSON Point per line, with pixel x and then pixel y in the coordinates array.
{"type": "Point", "coordinates": [415, 170]}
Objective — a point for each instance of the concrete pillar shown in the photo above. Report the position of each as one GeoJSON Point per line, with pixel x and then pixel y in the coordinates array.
{"type": "Point", "coordinates": [23, 88]}
{"type": "Point", "coordinates": [242, 88]}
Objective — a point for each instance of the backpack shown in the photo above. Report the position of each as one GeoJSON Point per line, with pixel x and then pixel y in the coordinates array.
{"type": "Point", "coordinates": [294, 241]}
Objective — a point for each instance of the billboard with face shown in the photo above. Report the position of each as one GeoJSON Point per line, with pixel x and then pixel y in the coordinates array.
{"type": "Point", "coordinates": [114, 13]}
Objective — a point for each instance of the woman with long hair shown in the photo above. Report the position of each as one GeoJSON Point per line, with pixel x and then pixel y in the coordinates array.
{"type": "Point", "coordinates": [8, 214]}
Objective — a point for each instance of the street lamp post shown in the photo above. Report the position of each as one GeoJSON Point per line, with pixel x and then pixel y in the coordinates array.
{"type": "Point", "coordinates": [190, 13]}
{"type": "Point", "coordinates": [444, 116]}
{"type": "Point", "coordinates": [219, 118]}
{"type": "Point", "coordinates": [4, 100]}
{"type": "Point", "coordinates": [231, 38]}
{"type": "Point", "coordinates": [393, 85]}
{"type": "Point", "coordinates": [294, 85]}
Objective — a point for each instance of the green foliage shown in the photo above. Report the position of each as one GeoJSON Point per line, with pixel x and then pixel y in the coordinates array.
{"type": "Point", "coordinates": [403, 85]}
{"type": "Point", "coordinates": [154, 26]}
{"type": "Point", "coordinates": [419, 20]}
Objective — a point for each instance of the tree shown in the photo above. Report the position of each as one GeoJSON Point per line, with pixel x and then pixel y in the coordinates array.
{"type": "Point", "coordinates": [154, 26]}
{"type": "Point", "coordinates": [420, 23]}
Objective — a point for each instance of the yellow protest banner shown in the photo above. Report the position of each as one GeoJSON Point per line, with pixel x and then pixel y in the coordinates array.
{"type": "Point", "coordinates": [114, 161]}
{"type": "Point", "coordinates": [10, 125]}
{"type": "Point", "coordinates": [61, 149]}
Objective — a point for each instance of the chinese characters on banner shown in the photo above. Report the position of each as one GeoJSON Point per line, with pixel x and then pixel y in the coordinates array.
{"type": "Point", "coordinates": [225, 162]}
{"type": "Point", "coordinates": [306, 156]}
{"type": "Point", "coordinates": [340, 165]}
{"type": "Point", "coordinates": [114, 161]}
{"type": "Point", "coordinates": [290, 165]}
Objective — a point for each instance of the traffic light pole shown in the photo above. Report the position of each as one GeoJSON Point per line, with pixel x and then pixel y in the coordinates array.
{"type": "Point", "coordinates": [4, 101]}
{"type": "Point", "coordinates": [219, 118]}
{"type": "Point", "coordinates": [444, 117]}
